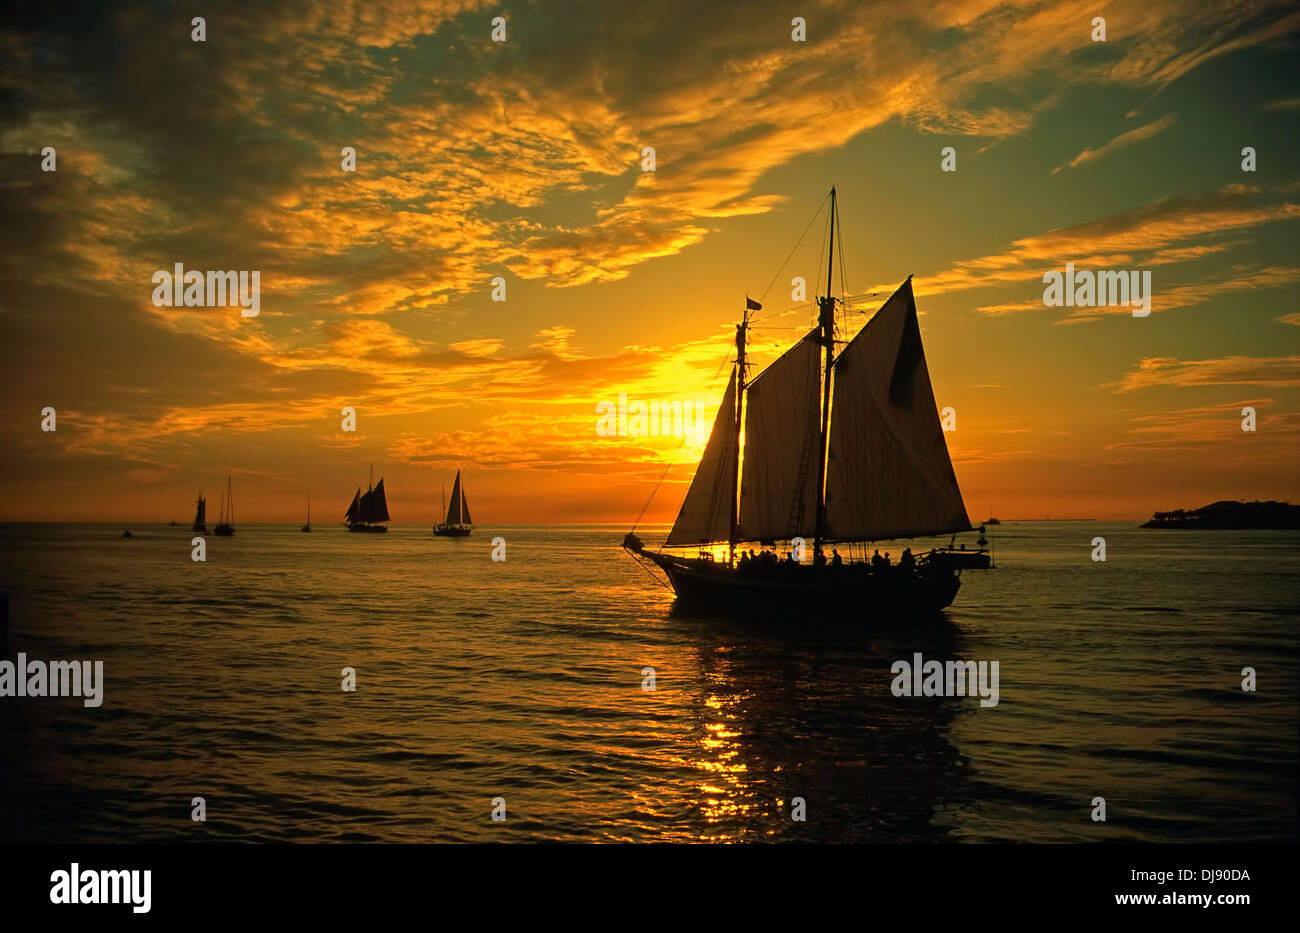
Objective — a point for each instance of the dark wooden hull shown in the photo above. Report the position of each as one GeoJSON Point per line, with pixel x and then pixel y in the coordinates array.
{"type": "Point", "coordinates": [850, 592]}
{"type": "Point", "coordinates": [200, 528]}
{"type": "Point", "coordinates": [372, 529]}
{"type": "Point", "coordinates": [224, 531]}
{"type": "Point", "coordinates": [452, 531]}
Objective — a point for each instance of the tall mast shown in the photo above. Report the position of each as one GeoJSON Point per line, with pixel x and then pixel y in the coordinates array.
{"type": "Point", "coordinates": [733, 502]}
{"type": "Point", "coordinates": [827, 324]}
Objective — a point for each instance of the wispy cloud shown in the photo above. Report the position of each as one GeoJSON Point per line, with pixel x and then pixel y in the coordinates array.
{"type": "Point", "coordinates": [1119, 142]}
{"type": "Point", "coordinates": [1278, 371]}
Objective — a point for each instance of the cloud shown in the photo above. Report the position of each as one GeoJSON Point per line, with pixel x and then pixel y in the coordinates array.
{"type": "Point", "coordinates": [1153, 234]}
{"type": "Point", "coordinates": [1119, 142]}
{"type": "Point", "coordinates": [1204, 427]}
{"type": "Point", "coordinates": [1278, 371]}
{"type": "Point", "coordinates": [1166, 299]}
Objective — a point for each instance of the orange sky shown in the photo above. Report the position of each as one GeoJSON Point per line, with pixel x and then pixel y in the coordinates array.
{"type": "Point", "coordinates": [522, 160]}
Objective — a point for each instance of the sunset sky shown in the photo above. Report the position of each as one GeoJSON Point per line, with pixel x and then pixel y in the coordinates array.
{"type": "Point", "coordinates": [522, 159]}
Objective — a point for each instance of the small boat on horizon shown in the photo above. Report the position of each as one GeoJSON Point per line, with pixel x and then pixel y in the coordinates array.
{"type": "Point", "coordinates": [226, 527]}
{"type": "Point", "coordinates": [200, 515]}
{"type": "Point", "coordinates": [307, 527]}
{"type": "Point", "coordinates": [369, 509]}
{"type": "Point", "coordinates": [457, 523]}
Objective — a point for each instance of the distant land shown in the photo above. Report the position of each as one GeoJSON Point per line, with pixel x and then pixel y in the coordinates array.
{"type": "Point", "coordinates": [1230, 514]}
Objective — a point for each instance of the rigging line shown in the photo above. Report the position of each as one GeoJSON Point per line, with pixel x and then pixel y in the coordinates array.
{"type": "Point", "coordinates": [652, 494]}
{"type": "Point", "coordinates": [712, 385]}
{"type": "Point", "coordinates": [651, 572]}
{"type": "Point", "coordinates": [820, 207]}
{"type": "Point", "coordinates": [776, 314]}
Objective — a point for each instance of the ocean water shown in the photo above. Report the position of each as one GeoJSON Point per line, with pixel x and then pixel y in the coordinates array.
{"type": "Point", "coordinates": [523, 680]}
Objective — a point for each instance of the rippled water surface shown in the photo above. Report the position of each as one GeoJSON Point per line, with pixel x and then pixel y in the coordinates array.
{"type": "Point", "coordinates": [523, 680]}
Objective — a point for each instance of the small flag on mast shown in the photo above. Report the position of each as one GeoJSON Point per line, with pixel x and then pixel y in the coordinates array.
{"type": "Point", "coordinates": [752, 305]}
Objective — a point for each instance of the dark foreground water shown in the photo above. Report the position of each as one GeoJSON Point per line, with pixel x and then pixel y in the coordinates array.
{"type": "Point", "coordinates": [523, 680]}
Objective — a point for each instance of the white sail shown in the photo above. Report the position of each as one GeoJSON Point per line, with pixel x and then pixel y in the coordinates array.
{"type": "Point", "coordinates": [706, 512]}
{"type": "Point", "coordinates": [778, 489]}
{"type": "Point", "coordinates": [888, 472]}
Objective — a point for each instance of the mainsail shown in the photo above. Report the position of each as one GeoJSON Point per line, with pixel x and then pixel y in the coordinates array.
{"type": "Point", "coordinates": [778, 495]}
{"type": "Point", "coordinates": [458, 511]}
{"type": "Point", "coordinates": [707, 510]}
{"type": "Point", "coordinates": [373, 506]}
{"type": "Point", "coordinates": [888, 470]}
{"type": "Point", "coordinates": [201, 513]}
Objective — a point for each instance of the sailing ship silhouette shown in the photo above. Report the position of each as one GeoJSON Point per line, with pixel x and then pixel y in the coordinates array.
{"type": "Point", "coordinates": [457, 524]}
{"type": "Point", "coordinates": [841, 449]}
{"type": "Point", "coordinates": [369, 509]}
{"type": "Point", "coordinates": [201, 515]}
{"type": "Point", "coordinates": [226, 527]}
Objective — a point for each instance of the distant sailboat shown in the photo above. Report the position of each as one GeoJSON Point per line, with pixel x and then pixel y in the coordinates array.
{"type": "Point", "coordinates": [854, 459]}
{"type": "Point", "coordinates": [226, 527]}
{"type": "Point", "coordinates": [369, 509]}
{"type": "Point", "coordinates": [307, 527]}
{"type": "Point", "coordinates": [201, 516]}
{"type": "Point", "coordinates": [458, 523]}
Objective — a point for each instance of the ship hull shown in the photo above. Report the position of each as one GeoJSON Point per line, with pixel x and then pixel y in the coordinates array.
{"type": "Point", "coordinates": [372, 529]}
{"type": "Point", "coordinates": [848, 592]}
{"type": "Point", "coordinates": [451, 531]}
{"type": "Point", "coordinates": [224, 531]}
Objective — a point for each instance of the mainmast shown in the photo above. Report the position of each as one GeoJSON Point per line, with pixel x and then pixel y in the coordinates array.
{"type": "Point", "coordinates": [826, 322]}
{"type": "Point", "coordinates": [734, 501]}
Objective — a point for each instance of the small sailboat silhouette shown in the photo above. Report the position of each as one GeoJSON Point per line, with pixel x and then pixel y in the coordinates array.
{"type": "Point", "coordinates": [458, 523]}
{"type": "Point", "coordinates": [226, 527]}
{"type": "Point", "coordinates": [201, 515]}
{"type": "Point", "coordinates": [307, 527]}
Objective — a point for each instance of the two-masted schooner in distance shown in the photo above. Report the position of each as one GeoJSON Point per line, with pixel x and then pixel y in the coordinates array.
{"type": "Point", "coordinates": [226, 527]}
{"type": "Point", "coordinates": [458, 523]}
{"type": "Point", "coordinates": [369, 509]}
{"type": "Point", "coordinates": [200, 515]}
{"type": "Point", "coordinates": [839, 449]}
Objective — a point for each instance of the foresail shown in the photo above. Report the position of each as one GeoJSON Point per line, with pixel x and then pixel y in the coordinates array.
{"type": "Point", "coordinates": [705, 516]}
{"type": "Point", "coordinates": [353, 514]}
{"type": "Point", "coordinates": [888, 473]}
{"type": "Point", "coordinates": [454, 509]}
{"type": "Point", "coordinates": [778, 494]}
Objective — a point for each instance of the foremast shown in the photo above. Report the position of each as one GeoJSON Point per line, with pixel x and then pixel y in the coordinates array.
{"type": "Point", "coordinates": [826, 322]}
{"type": "Point", "coordinates": [734, 502]}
